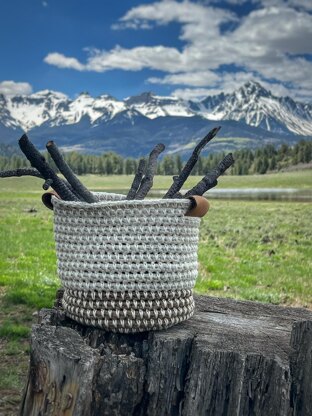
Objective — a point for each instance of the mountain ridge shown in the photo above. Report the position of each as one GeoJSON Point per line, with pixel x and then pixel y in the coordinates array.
{"type": "Point", "coordinates": [250, 115]}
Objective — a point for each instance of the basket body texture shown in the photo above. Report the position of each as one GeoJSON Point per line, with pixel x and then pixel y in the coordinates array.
{"type": "Point", "coordinates": [126, 266]}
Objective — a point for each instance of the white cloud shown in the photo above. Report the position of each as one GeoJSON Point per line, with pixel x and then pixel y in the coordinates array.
{"type": "Point", "coordinates": [229, 82]}
{"type": "Point", "coordinates": [155, 57]}
{"type": "Point", "coordinates": [186, 12]}
{"type": "Point", "coordinates": [135, 25]}
{"type": "Point", "coordinates": [62, 61]}
{"type": "Point", "coordinates": [197, 79]}
{"type": "Point", "coordinates": [135, 59]}
{"type": "Point", "coordinates": [298, 4]}
{"type": "Point", "coordinates": [15, 88]}
{"type": "Point", "coordinates": [265, 43]}
{"type": "Point", "coordinates": [275, 29]}
{"type": "Point", "coordinates": [195, 93]}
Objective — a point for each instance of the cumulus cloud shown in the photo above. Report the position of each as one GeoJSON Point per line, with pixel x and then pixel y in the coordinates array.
{"type": "Point", "coordinates": [284, 31]}
{"type": "Point", "coordinates": [227, 83]}
{"type": "Point", "coordinates": [298, 4]}
{"type": "Point", "coordinates": [155, 57]}
{"type": "Point", "coordinates": [62, 61]}
{"type": "Point", "coordinates": [195, 93]}
{"type": "Point", "coordinates": [15, 88]}
{"type": "Point", "coordinates": [269, 43]}
{"type": "Point", "coordinates": [135, 59]}
{"type": "Point", "coordinates": [197, 79]}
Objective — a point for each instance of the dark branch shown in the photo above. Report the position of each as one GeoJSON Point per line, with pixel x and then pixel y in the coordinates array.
{"type": "Point", "coordinates": [20, 172]}
{"type": "Point", "coordinates": [29, 172]}
{"type": "Point", "coordinates": [38, 161]}
{"type": "Point", "coordinates": [47, 184]}
{"type": "Point", "coordinates": [210, 180]}
{"type": "Point", "coordinates": [137, 179]}
{"type": "Point", "coordinates": [147, 181]}
{"type": "Point", "coordinates": [178, 183]}
{"type": "Point", "coordinates": [64, 168]}
{"type": "Point", "coordinates": [178, 195]}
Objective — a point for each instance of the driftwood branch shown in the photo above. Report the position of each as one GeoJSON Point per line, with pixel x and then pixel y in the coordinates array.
{"type": "Point", "coordinates": [31, 172]}
{"type": "Point", "coordinates": [178, 195]}
{"type": "Point", "coordinates": [64, 168]}
{"type": "Point", "coordinates": [38, 161]}
{"type": "Point", "coordinates": [20, 172]}
{"type": "Point", "coordinates": [47, 184]}
{"type": "Point", "coordinates": [137, 179]}
{"type": "Point", "coordinates": [178, 183]}
{"type": "Point", "coordinates": [210, 180]}
{"type": "Point", "coordinates": [147, 181]}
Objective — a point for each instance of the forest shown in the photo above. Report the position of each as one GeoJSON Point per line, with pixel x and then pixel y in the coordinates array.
{"type": "Point", "coordinates": [247, 161]}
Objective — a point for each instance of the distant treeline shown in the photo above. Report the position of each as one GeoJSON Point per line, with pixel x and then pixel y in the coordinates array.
{"type": "Point", "coordinates": [247, 161]}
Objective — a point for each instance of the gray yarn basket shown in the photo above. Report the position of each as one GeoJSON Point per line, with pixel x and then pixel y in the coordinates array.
{"type": "Point", "coordinates": [126, 266]}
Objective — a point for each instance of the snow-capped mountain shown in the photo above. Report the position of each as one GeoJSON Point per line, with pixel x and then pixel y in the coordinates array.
{"type": "Point", "coordinates": [56, 109]}
{"type": "Point", "coordinates": [258, 107]}
{"type": "Point", "coordinates": [29, 111]}
{"type": "Point", "coordinates": [250, 116]}
{"type": "Point", "coordinates": [153, 106]}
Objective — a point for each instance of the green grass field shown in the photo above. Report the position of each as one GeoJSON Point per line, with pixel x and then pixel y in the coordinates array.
{"type": "Point", "coordinates": [27, 186]}
{"type": "Point", "coordinates": [248, 250]}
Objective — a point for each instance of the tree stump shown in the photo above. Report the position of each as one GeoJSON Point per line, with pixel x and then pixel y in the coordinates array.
{"type": "Point", "coordinates": [232, 358]}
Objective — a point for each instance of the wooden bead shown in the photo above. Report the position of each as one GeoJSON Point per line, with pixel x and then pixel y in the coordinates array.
{"type": "Point", "coordinates": [199, 208]}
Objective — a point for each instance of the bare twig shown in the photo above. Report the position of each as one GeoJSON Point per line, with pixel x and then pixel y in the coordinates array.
{"type": "Point", "coordinates": [178, 183]}
{"type": "Point", "coordinates": [137, 179]}
{"type": "Point", "coordinates": [63, 167]}
{"type": "Point", "coordinates": [38, 161]}
{"type": "Point", "coordinates": [47, 184]}
{"type": "Point", "coordinates": [210, 180]}
{"type": "Point", "coordinates": [178, 195]}
{"type": "Point", "coordinates": [147, 181]}
{"type": "Point", "coordinates": [21, 172]}
{"type": "Point", "coordinates": [30, 172]}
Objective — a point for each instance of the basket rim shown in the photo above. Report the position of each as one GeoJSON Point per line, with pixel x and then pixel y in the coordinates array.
{"type": "Point", "coordinates": [122, 202]}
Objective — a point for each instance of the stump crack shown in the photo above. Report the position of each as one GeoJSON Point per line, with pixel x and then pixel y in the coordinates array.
{"type": "Point", "coordinates": [183, 392]}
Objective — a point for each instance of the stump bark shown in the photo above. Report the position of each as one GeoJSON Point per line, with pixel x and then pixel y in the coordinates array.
{"type": "Point", "coordinates": [232, 358]}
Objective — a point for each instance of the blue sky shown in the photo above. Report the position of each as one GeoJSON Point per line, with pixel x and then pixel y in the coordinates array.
{"type": "Point", "coordinates": [190, 49]}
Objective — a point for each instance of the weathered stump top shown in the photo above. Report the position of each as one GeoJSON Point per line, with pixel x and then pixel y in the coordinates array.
{"type": "Point", "coordinates": [231, 358]}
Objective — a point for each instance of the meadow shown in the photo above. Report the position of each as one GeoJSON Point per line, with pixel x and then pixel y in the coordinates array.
{"type": "Point", "coordinates": [251, 250]}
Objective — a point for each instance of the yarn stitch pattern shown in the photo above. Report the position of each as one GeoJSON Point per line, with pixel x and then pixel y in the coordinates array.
{"type": "Point", "coordinates": [126, 266]}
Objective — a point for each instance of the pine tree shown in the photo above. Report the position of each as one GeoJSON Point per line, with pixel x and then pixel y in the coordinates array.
{"type": "Point", "coordinates": [178, 165]}
{"type": "Point", "coordinates": [272, 164]}
{"type": "Point", "coordinates": [168, 165]}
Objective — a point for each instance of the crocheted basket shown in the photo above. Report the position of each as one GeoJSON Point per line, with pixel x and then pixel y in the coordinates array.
{"type": "Point", "coordinates": [126, 266]}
